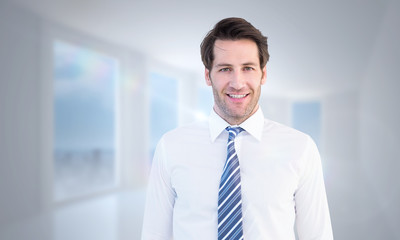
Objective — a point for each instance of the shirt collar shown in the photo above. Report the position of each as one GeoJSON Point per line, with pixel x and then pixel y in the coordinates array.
{"type": "Point", "coordinates": [253, 125]}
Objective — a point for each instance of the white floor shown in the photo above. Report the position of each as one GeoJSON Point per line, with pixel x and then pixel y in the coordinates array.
{"type": "Point", "coordinates": [116, 216]}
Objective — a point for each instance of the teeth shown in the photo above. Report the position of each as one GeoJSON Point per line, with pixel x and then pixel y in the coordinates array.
{"type": "Point", "coordinates": [237, 96]}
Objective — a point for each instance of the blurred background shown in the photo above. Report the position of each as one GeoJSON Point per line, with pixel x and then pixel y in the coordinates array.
{"type": "Point", "coordinates": [88, 87]}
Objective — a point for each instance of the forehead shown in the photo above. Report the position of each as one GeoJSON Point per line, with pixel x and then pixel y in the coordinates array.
{"type": "Point", "coordinates": [235, 51]}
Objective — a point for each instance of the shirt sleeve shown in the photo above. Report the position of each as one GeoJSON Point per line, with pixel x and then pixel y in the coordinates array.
{"type": "Point", "coordinates": [160, 198]}
{"type": "Point", "coordinates": [312, 212]}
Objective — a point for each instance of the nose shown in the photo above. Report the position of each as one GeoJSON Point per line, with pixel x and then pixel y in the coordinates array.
{"type": "Point", "coordinates": [237, 80]}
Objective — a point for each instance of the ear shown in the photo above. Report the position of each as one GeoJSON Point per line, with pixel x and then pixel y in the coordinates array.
{"type": "Point", "coordinates": [207, 77]}
{"type": "Point", "coordinates": [264, 75]}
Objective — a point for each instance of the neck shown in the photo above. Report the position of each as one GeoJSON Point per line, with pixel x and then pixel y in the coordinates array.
{"type": "Point", "coordinates": [236, 120]}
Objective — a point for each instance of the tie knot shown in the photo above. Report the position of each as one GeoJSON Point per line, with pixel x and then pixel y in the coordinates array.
{"type": "Point", "coordinates": [234, 131]}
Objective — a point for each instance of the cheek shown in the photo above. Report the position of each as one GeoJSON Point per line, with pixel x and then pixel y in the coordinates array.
{"type": "Point", "coordinates": [217, 88]}
{"type": "Point", "coordinates": [219, 83]}
{"type": "Point", "coordinates": [256, 83]}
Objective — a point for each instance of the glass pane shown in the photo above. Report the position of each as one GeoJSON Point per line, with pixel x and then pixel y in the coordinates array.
{"type": "Point", "coordinates": [84, 120]}
{"type": "Point", "coordinates": [163, 107]}
{"type": "Point", "coordinates": [307, 118]}
{"type": "Point", "coordinates": [205, 102]}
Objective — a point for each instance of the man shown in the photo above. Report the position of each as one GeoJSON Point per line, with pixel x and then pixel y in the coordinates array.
{"type": "Point", "coordinates": [269, 181]}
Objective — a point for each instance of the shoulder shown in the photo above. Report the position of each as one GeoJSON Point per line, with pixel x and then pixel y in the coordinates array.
{"type": "Point", "coordinates": [175, 144]}
{"type": "Point", "coordinates": [272, 127]}
{"type": "Point", "coordinates": [298, 147]}
{"type": "Point", "coordinates": [286, 135]}
{"type": "Point", "coordinates": [187, 132]}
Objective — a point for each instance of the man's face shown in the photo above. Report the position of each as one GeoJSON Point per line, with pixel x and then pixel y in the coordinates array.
{"type": "Point", "coordinates": [236, 79]}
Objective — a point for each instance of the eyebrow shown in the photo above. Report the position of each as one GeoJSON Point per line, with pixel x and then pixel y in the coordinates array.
{"type": "Point", "coordinates": [250, 64]}
{"type": "Point", "coordinates": [230, 65]}
{"type": "Point", "coordinates": [223, 65]}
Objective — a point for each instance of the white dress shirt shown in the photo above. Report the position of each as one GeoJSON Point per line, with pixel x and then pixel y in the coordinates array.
{"type": "Point", "coordinates": [282, 183]}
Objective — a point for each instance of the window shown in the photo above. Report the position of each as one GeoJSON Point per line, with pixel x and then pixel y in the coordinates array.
{"type": "Point", "coordinates": [306, 117]}
{"type": "Point", "coordinates": [163, 107]}
{"type": "Point", "coordinates": [205, 101]}
{"type": "Point", "coordinates": [84, 120]}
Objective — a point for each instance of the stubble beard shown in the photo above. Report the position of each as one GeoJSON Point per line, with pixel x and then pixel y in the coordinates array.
{"type": "Point", "coordinates": [231, 115]}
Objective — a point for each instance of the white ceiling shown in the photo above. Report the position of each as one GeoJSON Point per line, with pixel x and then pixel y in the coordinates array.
{"type": "Point", "coordinates": [316, 47]}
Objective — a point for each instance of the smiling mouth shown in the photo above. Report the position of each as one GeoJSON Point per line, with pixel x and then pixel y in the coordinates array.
{"type": "Point", "coordinates": [237, 96]}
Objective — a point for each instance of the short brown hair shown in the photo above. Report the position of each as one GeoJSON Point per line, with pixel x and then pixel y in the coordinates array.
{"type": "Point", "coordinates": [233, 29]}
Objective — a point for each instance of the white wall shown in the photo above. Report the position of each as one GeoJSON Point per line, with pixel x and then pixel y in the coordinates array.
{"type": "Point", "coordinates": [380, 132]}
{"type": "Point", "coordinates": [360, 144]}
{"type": "Point", "coordinates": [20, 168]}
{"type": "Point", "coordinates": [339, 152]}
{"type": "Point", "coordinates": [277, 109]}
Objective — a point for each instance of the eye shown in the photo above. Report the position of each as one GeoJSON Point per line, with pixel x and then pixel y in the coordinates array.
{"type": "Point", "coordinates": [224, 69]}
{"type": "Point", "coordinates": [248, 68]}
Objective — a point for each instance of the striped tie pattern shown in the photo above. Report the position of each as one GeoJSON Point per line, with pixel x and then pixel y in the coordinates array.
{"type": "Point", "coordinates": [230, 197]}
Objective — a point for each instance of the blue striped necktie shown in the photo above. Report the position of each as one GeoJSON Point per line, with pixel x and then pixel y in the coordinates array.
{"type": "Point", "coordinates": [230, 196]}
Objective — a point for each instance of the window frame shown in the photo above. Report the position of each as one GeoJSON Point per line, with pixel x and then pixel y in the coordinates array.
{"type": "Point", "coordinates": [51, 33]}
